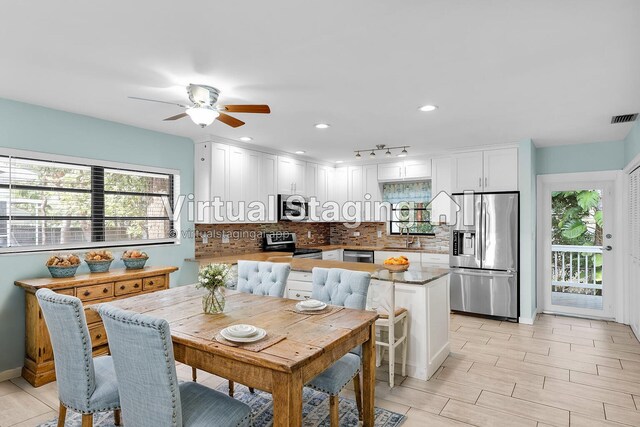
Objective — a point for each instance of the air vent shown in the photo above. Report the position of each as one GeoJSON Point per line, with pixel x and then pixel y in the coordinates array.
{"type": "Point", "coordinates": [624, 118]}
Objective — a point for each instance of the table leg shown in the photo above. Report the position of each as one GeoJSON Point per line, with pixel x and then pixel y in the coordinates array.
{"type": "Point", "coordinates": [369, 377]}
{"type": "Point", "coordinates": [287, 399]}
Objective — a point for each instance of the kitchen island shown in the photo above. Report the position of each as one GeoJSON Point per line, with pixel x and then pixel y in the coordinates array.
{"type": "Point", "coordinates": [422, 290]}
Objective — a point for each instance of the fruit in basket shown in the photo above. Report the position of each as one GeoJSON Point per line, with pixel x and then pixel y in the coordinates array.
{"type": "Point", "coordinates": [98, 256]}
{"type": "Point", "coordinates": [63, 261]}
{"type": "Point", "coordinates": [135, 254]}
{"type": "Point", "coordinates": [399, 260]}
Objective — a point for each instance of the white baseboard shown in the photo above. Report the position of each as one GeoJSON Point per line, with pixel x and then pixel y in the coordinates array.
{"type": "Point", "coordinates": [10, 374]}
{"type": "Point", "coordinates": [526, 320]}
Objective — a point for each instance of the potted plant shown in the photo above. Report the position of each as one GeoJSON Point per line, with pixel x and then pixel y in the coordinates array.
{"type": "Point", "coordinates": [213, 278]}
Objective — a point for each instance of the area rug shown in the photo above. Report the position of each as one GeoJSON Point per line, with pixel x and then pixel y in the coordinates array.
{"type": "Point", "coordinates": [315, 411]}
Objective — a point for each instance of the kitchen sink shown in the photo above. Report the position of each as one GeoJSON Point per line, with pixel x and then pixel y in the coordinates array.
{"type": "Point", "coordinates": [400, 248]}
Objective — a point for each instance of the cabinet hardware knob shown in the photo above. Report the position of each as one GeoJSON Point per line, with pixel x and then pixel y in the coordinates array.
{"type": "Point", "coordinates": [480, 182]}
{"type": "Point", "coordinates": [298, 295]}
{"type": "Point", "coordinates": [486, 181]}
{"type": "Point", "coordinates": [150, 282]}
{"type": "Point", "coordinates": [105, 290]}
{"type": "Point", "coordinates": [137, 285]}
{"type": "Point", "coordinates": [122, 287]}
{"type": "Point", "coordinates": [87, 293]}
{"type": "Point", "coordinates": [98, 336]}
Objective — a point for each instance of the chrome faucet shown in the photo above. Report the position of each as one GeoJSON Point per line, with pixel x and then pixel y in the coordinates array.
{"type": "Point", "coordinates": [407, 241]}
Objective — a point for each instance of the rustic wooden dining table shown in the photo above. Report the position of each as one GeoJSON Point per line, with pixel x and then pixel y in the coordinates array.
{"type": "Point", "coordinates": [312, 343]}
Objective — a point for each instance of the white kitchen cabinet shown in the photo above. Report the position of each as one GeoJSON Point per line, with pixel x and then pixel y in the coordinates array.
{"type": "Point", "coordinates": [354, 184]}
{"type": "Point", "coordinates": [408, 170]}
{"type": "Point", "coordinates": [299, 285]}
{"type": "Point", "coordinates": [489, 170]}
{"type": "Point", "coordinates": [311, 179]}
{"type": "Point", "coordinates": [435, 260]}
{"type": "Point", "coordinates": [340, 190]}
{"type": "Point", "coordinates": [324, 187]}
{"type": "Point", "coordinates": [501, 170]}
{"type": "Point", "coordinates": [291, 176]}
{"type": "Point", "coordinates": [442, 207]}
{"type": "Point", "coordinates": [269, 185]}
{"type": "Point", "coordinates": [202, 181]}
{"type": "Point", "coordinates": [467, 174]}
{"type": "Point", "coordinates": [332, 255]}
{"type": "Point", "coordinates": [371, 187]}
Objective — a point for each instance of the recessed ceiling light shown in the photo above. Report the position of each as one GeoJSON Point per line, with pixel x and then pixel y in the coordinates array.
{"type": "Point", "coordinates": [322, 125]}
{"type": "Point", "coordinates": [339, 161]}
{"type": "Point", "coordinates": [428, 108]}
{"type": "Point", "coordinates": [246, 138]}
{"type": "Point", "coordinates": [300, 152]}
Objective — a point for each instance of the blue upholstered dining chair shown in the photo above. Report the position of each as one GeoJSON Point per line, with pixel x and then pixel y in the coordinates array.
{"type": "Point", "coordinates": [260, 278]}
{"type": "Point", "coordinates": [85, 385]}
{"type": "Point", "coordinates": [150, 393]}
{"type": "Point", "coordinates": [347, 288]}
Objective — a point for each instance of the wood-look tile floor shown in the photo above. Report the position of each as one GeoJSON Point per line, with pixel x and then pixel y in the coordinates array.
{"type": "Point", "coordinates": [562, 371]}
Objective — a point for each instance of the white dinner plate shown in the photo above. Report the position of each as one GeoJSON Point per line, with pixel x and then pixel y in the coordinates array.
{"type": "Point", "coordinates": [312, 303]}
{"type": "Point", "coordinates": [261, 333]}
{"type": "Point", "coordinates": [301, 307]}
{"type": "Point", "coordinates": [241, 331]}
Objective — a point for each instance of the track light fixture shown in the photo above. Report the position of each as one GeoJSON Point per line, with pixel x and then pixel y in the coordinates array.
{"type": "Point", "coordinates": [382, 147]}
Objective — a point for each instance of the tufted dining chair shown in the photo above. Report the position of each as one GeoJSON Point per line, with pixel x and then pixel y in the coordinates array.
{"type": "Point", "coordinates": [347, 288]}
{"type": "Point", "coordinates": [146, 371]}
{"type": "Point", "coordinates": [85, 385]}
{"type": "Point", "coordinates": [260, 278]}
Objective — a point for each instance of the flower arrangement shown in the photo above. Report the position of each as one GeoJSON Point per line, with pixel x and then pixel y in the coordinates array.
{"type": "Point", "coordinates": [213, 278]}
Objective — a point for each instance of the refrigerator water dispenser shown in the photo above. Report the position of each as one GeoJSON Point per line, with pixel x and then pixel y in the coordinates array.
{"type": "Point", "coordinates": [464, 243]}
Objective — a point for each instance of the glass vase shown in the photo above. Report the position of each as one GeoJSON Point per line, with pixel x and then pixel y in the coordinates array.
{"type": "Point", "coordinates": [213, 301]}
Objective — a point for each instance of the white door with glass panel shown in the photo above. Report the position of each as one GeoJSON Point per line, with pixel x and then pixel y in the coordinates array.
{"type": "Point", "coordinates": [577, 252]}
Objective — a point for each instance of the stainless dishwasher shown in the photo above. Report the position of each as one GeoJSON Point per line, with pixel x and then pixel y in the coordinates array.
{"type": "Point", "coordinates": [351, 255]}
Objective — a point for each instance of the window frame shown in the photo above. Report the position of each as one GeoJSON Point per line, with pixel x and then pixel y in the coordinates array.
{"type": "Point", "coordinates": [97, 217]}
{"type": "Point", "coordinates": [396, 233]}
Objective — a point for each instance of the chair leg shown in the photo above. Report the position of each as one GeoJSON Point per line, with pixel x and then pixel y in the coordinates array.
{"type": "Point", "coordinates": [358, 391]}
{"type": "Point", "coordinates": [404, 346]}
{"type": "Point", "coordinates": [334, 411]}
{"type": "Point", "coordinates": [194, 374]}
{"type": "Point", "coordinates": [87, 420]}
{"type": "Point", "coordinates": [392, 354]}
{"type": "Point", "coordinates": [232, 386]}
{"type": "Point", "coordinates": [62, 415]}
{"type": "Point", "coordinates": [116, 417]}
{"type": "Point", "coordinates": [251, 390]}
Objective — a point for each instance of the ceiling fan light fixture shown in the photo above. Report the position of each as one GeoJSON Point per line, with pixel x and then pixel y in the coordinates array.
{"type": "Point", "coordinates": [202, 115]}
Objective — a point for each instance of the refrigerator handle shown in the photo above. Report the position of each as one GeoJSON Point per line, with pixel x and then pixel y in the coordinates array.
{"type": "Point", "coordinates": [485, 235]}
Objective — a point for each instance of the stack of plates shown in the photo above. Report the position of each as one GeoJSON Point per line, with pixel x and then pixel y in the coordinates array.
{"type": "Point", "coordinates": [311, 305]}
{"type": "Point", "coordinates": [243, 333]}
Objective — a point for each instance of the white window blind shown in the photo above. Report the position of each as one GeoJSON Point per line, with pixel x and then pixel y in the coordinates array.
{"type": "Point", "coordinates": [51, 204]}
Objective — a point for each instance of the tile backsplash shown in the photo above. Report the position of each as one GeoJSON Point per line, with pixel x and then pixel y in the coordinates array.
{"type": "Point", "coordinates": [248, 237]}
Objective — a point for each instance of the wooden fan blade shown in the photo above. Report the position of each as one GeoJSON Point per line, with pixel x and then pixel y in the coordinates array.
{"type": "Point", "coordinates": [261, 109]}
{"type": "Point", "coordinates": [176, 117]}
{"type": "Point", "coordinates": [228, 120]}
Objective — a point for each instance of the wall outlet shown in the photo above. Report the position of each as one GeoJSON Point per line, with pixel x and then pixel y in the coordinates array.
{"type": "Point", "coordinates": [309, 234]}
{"type": "Point", "coordinates": [225, 238]}
{"type": "Point", "coordinates": [205, 239]}
{"type": "Point", "coordinates": [379, 234]}
{"type": "Point", "coordinates": [356, 234]}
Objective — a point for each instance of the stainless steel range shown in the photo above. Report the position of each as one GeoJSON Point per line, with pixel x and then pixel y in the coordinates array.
{"type": "Point", "coordinates": [283, 241]}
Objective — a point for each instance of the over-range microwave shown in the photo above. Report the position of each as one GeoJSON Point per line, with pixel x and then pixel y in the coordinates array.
{"type": "Point", "coordinates": [292, 208]}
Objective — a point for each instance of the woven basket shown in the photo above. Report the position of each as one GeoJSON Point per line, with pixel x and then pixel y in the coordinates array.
{"type": "Point", "coordinates": [99, 266]}
{"type": "Point", "coordinates": [66, 271]}
{"type": "Point", "coordinates": [134, 263]}
{"type": "Point", "coordinates": [396, 268]}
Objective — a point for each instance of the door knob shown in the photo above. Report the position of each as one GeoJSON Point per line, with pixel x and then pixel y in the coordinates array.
{"type": "Point", "coordinates": [608, 248]}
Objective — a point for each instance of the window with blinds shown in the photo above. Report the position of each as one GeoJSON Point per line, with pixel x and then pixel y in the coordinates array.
{"type": "Point", "coordinates": [48, 205]}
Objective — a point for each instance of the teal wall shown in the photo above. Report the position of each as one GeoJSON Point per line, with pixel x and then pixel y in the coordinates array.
{"type": "Point", "coordinates": [598, 156]}
{"type": "Point", "coordinates": [527, 183]}
{"type": "Point", "coordinates": [29, 127]}
{"type": "Point", "coordinates": [632, 144]}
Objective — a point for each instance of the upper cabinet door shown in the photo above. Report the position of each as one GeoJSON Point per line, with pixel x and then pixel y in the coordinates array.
{"type": "Point", "coordinates": [219, 176]}
{"type": "Point", "coordinates": [299, 175]}
{"type": "Point", "coordinates": [467, 172]}
{"type": "Point", "coordinates": [269, 184]}
{"type": "Point", "coordinates": [340, 192]}
{"type": "Point", "coordinates": [285, 175]}
{"type": "Point", "coordinates": [501, 170]}
{"type": "Point", "coordinates": [354, 184]}
{"type": "Point", "coordinates": [390, 171]}
{"type": "Point", "coordinates": [417, 169]}
{"type": "Point", "coordinates": [202, 180]}
{"type": "Point", "coordinates": [311, 180]}
{"type": "Point", "coordinates": [442, 210]}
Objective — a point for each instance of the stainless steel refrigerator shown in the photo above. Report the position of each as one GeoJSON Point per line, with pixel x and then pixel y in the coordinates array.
{"type": "Point", "coordinates": [484, 255]}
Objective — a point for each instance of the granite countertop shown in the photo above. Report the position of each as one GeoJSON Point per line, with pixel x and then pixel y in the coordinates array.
{"type": "Point", "coordinates": [372, 248]}
{"type": "Point", "coordinates": [418, 275]}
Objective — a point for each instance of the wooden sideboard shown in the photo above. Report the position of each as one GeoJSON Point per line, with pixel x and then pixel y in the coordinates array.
{"type": "Point", "coordinates": [91, 288]}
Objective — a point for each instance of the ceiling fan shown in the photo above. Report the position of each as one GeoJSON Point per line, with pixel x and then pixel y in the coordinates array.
{"type": "Point", "coordinates": [204, 110]}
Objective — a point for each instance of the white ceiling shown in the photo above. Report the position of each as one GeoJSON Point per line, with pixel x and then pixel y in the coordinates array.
{"type": "Point", "coordinates": [500, 70]}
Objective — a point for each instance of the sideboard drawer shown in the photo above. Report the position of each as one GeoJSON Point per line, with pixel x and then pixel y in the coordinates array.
{"type": "Point", "coordinates": [128, 287]}
{"type": "Point", "coordinates": [91, 315]}
{"type": "Point", "coordinates": [88, 293]}
{"type": "Point", "coordinates": [68, 291]}
{"type": "Point", "coordinates": [153, 283]}
{"type": "Point", "coordinates": [98, 335]}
